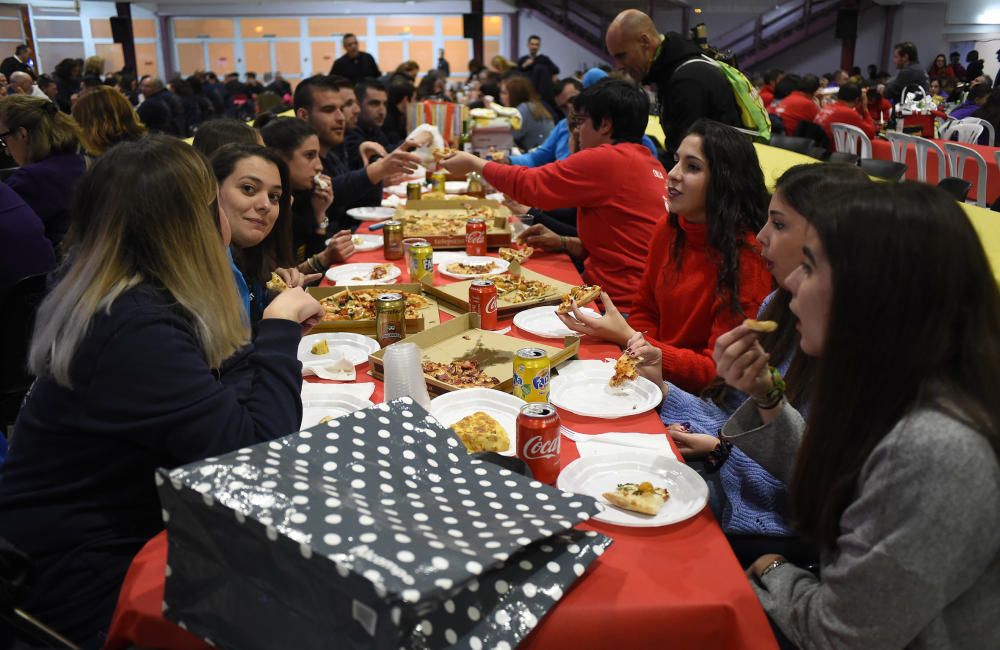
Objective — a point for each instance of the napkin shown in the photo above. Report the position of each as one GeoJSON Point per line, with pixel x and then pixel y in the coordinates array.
{"type": "Point", "coordinates": [617, 442]}
{"type": "Point", "coordinates": [393, 200]}
{"type": "Point", "coordinates": [335, 366]}
{"type": "Point", "coordinates": [328, 391]}
{"type": "Point", "coordinates": [447, 257]}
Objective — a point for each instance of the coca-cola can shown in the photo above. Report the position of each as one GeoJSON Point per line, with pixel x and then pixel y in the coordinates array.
{"type": "Point", "coordinates": [538, 440]}
{"type": "Point", "coordinates": [475, 237]}
{"type": "Point", "coordinates": [483, 301]}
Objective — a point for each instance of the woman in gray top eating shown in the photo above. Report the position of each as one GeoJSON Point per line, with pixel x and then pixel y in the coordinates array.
{"type": "Point", "coordinates": [895, 472]}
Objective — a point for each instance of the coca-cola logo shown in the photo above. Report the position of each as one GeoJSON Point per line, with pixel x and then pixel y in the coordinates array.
{"type": "Point", "coordinates": [491, 306]}
{"type": "Point", "coordinates": [537, 447]}
{"type": "Point", "coordinates": [475, 237]}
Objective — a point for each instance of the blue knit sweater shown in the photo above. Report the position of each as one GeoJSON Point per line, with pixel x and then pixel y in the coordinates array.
{"type": "Point", "coordinates": [753, 501]}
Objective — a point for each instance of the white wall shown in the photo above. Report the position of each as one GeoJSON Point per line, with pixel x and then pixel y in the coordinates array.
{"type": "Point", "coordinates": [569, 55]}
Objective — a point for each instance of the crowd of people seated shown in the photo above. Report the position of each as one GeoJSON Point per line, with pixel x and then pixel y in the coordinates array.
{"type": "Point", "coordinates": [859, 436]}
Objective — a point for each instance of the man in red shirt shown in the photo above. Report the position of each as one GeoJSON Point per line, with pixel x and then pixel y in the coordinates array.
{"type": "Point", "coordinates": [850, 107]}
{"type": "Point", "coordinates": [800, 105]}
{"type": "Point", "coordinates": [617, 186]}
{"type": "Point", "coordinates": [771, 79]}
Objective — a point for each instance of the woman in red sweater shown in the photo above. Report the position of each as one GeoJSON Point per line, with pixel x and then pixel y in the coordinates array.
{"type": "Point", "coordinates": [704, 273]}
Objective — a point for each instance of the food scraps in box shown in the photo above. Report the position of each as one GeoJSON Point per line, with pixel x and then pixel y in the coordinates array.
{"type": "Point", "coordinates": [464, 374]}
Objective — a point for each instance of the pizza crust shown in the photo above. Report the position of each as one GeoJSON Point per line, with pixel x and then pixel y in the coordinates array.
{"type": "Point", "coordinates": [638, 497]}
{"type": "Point", "coordinates": [760, 325]}
{"type": "Point", "coordinates": [276, 284]}
{"type": "Point", "coordinates": [582, 295]}
{"type": "Point", "coordinates": [516, 255]}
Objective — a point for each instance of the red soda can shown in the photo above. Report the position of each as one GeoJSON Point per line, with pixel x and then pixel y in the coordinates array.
{"type": "Point", "coordinates": [538, 440]}
{"type": "Point", "coordinates": [475, 237]}
{"type": "Point", "coordinates": [483, 301]}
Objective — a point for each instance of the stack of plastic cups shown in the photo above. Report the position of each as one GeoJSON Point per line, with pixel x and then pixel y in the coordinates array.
{"type": "Point", "coordinates": [404, 374]}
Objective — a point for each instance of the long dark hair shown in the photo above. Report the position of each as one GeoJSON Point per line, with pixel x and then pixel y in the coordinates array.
{"type": "Point", "coordinates": [735, 204]}
{"type": "Point", "coordinates": [276, 250]}
{"type": "Point", "coordinates": [914, 322]}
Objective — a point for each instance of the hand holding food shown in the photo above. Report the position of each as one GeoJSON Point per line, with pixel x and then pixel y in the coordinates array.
{"type": "Point", "coordinates": [649, 359]}
{"type": "Point", "coordinates": [292, 277]}
{"type": "Point", "coordinates": [539, 236]}
{"type": "Point", "coordinates": [519, 255]}
{"type": "Point", "coordinates": [295, 305]}
{"type": "Point", "coordinates": [461, 163]}
{"type": "Point", "coordinates": [399, 162]}
{"type": "Point", "coordinates": [322, 195]}
{"type": "Point", "coordinates": [339, 248]}
{"type": "Point", "coordinates": [610, 327]}
{"type": "Point", "coordinates": [742, 362]}
{"type": "Point", "coordinates": [626, 369]}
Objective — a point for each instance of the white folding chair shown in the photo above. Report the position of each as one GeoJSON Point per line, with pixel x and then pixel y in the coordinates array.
{"type": "Point", "coordinates": [966, 132]}
{"type": "Point", "coordinates": [849, 139]}
{"type": "Point", "coordinates": [987, 126]}
{"type": "Point", "coordinates": [957, 157]}
{"type": "Point", "coordinates": [922, 146]}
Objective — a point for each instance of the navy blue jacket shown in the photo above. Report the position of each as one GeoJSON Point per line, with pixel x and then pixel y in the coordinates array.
{"type": "Point", "coordinates": [47, 187]}
{"type": "Point", "coordinates": [77, 492]}
{"type": "Point", "coordinates": [24, 250]}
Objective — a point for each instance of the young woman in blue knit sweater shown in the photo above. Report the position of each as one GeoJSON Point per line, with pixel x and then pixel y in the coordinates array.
{"type": "Point", "coordinates": [750, 503]}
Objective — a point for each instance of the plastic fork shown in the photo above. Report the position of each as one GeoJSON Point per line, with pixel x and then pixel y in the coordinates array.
{"type": "Point", "coordinates": [578, 437]}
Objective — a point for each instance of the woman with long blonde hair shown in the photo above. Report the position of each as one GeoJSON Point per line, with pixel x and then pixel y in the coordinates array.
{"type": "Point", "coordinates": [143, 360]}
{"type": "Point", "coordinates": [45, 143]}
{"type": "Point", "coordinates": [106, 118]}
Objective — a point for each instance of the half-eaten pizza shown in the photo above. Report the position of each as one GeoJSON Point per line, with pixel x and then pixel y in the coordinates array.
{"type": "Point", "coordinates": [625, 370]}
{"type": "Point", "coordinates": [518, 255]}
{"type": "Point", "coordinates": [464, 268]}
{"type": "Point", "coordinates": [276, 284]}
{"type": "Point", "coordinates": [638, 497]}
{"type": "Point", "coordinates": [582, 295]}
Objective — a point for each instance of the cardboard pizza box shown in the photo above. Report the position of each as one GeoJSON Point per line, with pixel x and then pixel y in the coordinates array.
{"type": "Point", "coordinates": [497, 229]}
{"type": "Point", "coordinates": [457, 293]}
{"type": "Point", "coordinates": [460, 339]}
{"type": "Point", "coordinates": [429, 315]}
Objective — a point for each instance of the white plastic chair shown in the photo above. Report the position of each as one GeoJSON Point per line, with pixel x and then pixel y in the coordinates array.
{"type": "Point", "coordinates": [922, 146]}
{"type": "Point", "coordinates": [957, 157]}
{"type": "Point", "coordinates": [848, 139]}
{"type": "Point", "coordinates": [966, 132]}
{"type": "Point", "coordinates": [987, 126]}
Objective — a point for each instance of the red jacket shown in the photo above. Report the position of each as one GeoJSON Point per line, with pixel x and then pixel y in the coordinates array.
{"type": "Point", "coordinates": [679, 308]}
{"type": "Point", "coordinates": [838, 112]}
{"type": "Point", "coordinates": [795, 108]}
{"type": "Point", "coordinates": [620, 192]}
{"type": "Point", "coordinates": [767, 95]}
{"type": "Point", "coordinates": [881, 108]}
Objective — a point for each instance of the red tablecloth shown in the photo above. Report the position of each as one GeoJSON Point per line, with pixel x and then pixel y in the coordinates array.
{"type": "Point", "coordinates": [677, 586]}
{"type": "Point", "coordinates": [882, 150]}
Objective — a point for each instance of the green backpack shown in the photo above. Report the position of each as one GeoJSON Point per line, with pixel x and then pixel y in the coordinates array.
{"type": "Point", "coordinates": [753, 115]}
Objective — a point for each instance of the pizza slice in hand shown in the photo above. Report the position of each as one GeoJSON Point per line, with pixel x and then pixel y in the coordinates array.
{"type": "Point", "coordinates": [638, 497]}
{"type": "Point", "coordinates": [582, 295]}
{"type": "Point", "coordinates": [625, 370]}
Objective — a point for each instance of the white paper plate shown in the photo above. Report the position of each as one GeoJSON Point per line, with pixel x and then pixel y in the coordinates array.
{"type": "Point", "coordinates": [499, 266]}
{"type": "Point", "coordinates": [596, 475]}
{"type": "Point", "coordinates": [587, 393]}
{"type": "Point", "coordinates": [315, 410]}
{"type": "Point", "coordinates": [353, 347]}
{"type": "Point", "coordinates": [364, 243]}
{"type": "Point", "coordinates": [361, 273]}
{"type": "Point", "coordinates": [371, 213]}
{"type": "Point", "coordinates": [542, 321]}
{"type": "Point", "coordinates": [504, 407]}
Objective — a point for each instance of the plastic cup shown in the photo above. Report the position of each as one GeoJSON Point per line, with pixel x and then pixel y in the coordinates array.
{"type": "Point", "coordinates": [520, 223]}
{"type": "Point", "coordinates": [404, 375]}
{"type": "Point", "coordinates": [410, 241]}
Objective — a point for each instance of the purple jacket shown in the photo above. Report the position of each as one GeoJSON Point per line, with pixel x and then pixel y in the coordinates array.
{"type": "Point", "coordinates": [24, 250]}
{"type": "Point", "coordinates": [963, 111]}
{"type": "Point", "coordinates": [47, 187]}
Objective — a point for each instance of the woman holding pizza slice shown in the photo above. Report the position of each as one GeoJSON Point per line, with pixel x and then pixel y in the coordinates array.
{"type": "Point", "coordinates": [748, 501]}
{"type": "Point", "coordinates": [704, 273]}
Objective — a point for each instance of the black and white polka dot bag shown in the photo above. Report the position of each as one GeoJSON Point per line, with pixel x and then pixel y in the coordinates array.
{"type": "Point", "coordinates": [373, 530]}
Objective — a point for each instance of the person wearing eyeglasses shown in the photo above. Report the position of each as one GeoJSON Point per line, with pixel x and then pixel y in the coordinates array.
{"type": "Point", "coordinates": [45, 143]}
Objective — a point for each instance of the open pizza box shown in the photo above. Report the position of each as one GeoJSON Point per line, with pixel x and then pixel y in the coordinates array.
{"type": "Point", "coordinates": [457, 293]}
{"type": "Point", "coordinates": [460, 339]}
{"type": "Point", "coordinates": [497, 228]}
{"type": "Point", "coordinates": [429, 315]}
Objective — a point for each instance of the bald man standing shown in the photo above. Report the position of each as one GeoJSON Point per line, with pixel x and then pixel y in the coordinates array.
{"type": "Point", "coordinates": [688, 86]}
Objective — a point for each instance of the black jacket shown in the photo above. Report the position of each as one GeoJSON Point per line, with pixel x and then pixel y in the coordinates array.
{"type": "Point", "coordinates": [362, 133]}
{"type": "Point", "coordinates": [686, 93]}
{"type": "Point", "coordinates": [356, 69]}
{"type": "Point", "coordinates": [351, 189]}
{"type": "Point", "coordinates": [77, 491]}
{"type": "Point", "coordinates": [11, 65]}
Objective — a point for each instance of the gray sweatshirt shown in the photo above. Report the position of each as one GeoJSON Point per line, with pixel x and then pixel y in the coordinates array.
{"type": "Point", "coordinates": [917, 562]}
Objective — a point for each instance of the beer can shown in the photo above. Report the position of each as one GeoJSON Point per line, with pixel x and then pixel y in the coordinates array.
{"type": "Point", "coordinates": [531, 375]}
{"type": "Point", "coordinates": [438, 180]}
{"type": "Point", "coordinates": [421, 260]}
{"type": "Point", "coordinates": [414, 190]}
{"type": "Point", "coordinates": [392, 240]}
{"type": "Point", "coordinates": [483, 301]}
{"type": "Point", "coordinates": [390, 318]}
{"type": "Point", "coordinates": [538, 441]}
{"type": "Point", "coordinates": [475, 236]}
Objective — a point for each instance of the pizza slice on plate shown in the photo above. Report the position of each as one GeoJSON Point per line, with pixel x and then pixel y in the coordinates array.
{"type": "Point", "coordinates": [638, 497]}
{"type": "Point", "coordinates": [481, 432]}
{"type": "Point", "coordinates": [625, 370]}
{"type": "Point", "coordinates": [582, 295]}
{"type": "Point", "coordinates": [381, 271]}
